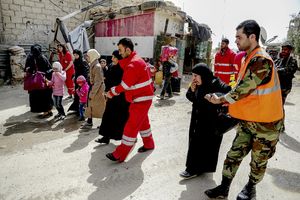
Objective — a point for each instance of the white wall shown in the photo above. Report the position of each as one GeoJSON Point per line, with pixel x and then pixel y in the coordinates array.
{"type": "Point", "coordinates": [175, 25]}
{"type": "Point", "coordinates": [143, 45]}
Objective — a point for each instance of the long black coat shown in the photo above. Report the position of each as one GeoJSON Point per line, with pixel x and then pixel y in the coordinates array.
{"type": "Point", "coordinates": [204, 144]}
{"type": "Point", "coordinates": [39, 100]}
{"type": "Point", "coordinates": [81, 68]}
{"type": "Point", "coordinates": [116, 111]}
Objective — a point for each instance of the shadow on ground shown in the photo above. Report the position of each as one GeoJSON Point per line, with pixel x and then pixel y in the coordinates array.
{"type": "Point", "coordinates": [195, 187]}
{"type": "Point", "coordinates": [285, 180]}
{"type": "Point", "coordinates": [289, 142]}
{"type": "Point", "coordinates": [30, 122]}
{"type": "Point", "coordinates": [164, 103]}
{"type": "Point", "coordinates": [114, 180]}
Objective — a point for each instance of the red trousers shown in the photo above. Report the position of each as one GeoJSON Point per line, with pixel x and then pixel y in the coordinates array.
{"type": "Point", "coordinates": [70, 83]}
{"type": "Point", "coordinates": [138, 121]}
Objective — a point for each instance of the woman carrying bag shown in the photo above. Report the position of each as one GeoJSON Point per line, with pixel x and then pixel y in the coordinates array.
{"type": "Point", "coordinates": [40, 100]}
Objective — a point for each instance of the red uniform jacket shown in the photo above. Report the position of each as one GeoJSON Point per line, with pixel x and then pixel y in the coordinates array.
{"type": "Point", "coordinates": [136, 81]}
{"type": "Point", "coordinates": [224, 65]}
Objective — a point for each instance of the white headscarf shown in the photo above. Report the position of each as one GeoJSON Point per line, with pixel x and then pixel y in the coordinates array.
{"type": "Point", "coordinates": [57, 66]}
{"type": "Point", "coordinates": [93, 55]}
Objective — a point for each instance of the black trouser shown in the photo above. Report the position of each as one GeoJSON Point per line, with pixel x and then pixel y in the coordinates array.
{"type": "Point", "coordinates": [167, 87]}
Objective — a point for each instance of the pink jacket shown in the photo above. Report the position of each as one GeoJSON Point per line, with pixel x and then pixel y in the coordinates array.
{"type": "Point", "coordinates": [83, 92]}
{"type": "Point", "coordinates": [57, 82]}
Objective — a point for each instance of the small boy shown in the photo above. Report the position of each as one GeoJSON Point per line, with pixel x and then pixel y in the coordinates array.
{"type": "Point", "coordinates": [82, 93]}
{"type": "Point", "coordinates": [57, 83]}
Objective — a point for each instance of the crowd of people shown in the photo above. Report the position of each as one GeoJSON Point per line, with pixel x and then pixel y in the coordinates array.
{"type": "Point", "coordinates": [121, 94]}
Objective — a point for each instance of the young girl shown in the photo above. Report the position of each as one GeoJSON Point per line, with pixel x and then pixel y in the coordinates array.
{"type": "Point", "coordinates": [57, 82]}
{"type": "Point", "coordinates": [82, 93]}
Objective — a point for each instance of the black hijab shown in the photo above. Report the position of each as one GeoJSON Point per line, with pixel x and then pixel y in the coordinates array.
{"type": "Point", "coordinates": [207, 78]}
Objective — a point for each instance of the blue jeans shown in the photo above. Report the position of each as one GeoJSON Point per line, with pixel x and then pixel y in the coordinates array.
{"type": "Point", "coordinates": [81, 109]}
{"type": "Point", "coordinates": [58, 104]}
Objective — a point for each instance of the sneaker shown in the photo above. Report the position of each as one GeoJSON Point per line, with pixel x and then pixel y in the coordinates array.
{"type": "Point", "coordinates": [160, 97]}
{"type": "Point", "coordinates": [86, 125]}
{"type": "Point", "coordinates": [62, 117]}
{"type": "Point", "coordinates": [57, 116]}
{"type": "Point", "coordinates": [186, 175]}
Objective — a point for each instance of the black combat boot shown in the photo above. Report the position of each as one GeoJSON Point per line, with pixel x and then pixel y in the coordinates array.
{"type": "Point", "coordinates": [221, 191]}
{"type": "Point", "coordinates": [248, 192]}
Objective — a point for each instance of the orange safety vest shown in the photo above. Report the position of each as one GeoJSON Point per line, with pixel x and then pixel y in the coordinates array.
{"type": "Point", "coordinates": [264, 104]}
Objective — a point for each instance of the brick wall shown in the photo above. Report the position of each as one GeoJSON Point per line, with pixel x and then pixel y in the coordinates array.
{"type": "Point", "coordinates": [31, 21]}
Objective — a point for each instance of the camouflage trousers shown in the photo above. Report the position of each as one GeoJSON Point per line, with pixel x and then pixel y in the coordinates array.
{"type": "Point", "coordinates": [261, 140]}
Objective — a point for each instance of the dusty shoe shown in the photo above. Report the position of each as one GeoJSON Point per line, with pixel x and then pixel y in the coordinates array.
{"type": "Point", "coordinates": [111, 157]}
{"type": "Point", "coordinates": [143, 149]}
{"type": "Point", "coordinates": [103, 140]}
{"type": "Point", "coordinates": [57, 116]}
{"type": "Point", "coordinates": [160, 97]}
{"type": "Point", "coordinates": [87, 125]}
{"type": "Point", "coordinates": [248, 192]}
{"type": "Point", "coordinates": [221, 191]}
{"type": "Point", "coordinates": [186, 175]}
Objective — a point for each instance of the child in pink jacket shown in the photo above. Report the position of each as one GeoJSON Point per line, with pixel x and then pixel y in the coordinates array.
{"type": "Point", "coordinates": [57, 83]}
{"type": "Point", "coordinates": [82, 93]}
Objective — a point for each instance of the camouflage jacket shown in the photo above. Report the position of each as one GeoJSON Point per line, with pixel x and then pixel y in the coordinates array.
{"type": "Point", "coordinates": [258, 72]}
{"type": "Point", "coordinates": [286, 68]}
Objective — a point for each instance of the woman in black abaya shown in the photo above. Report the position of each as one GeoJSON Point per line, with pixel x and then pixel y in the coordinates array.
{"type": "Point", "coordinates": [204, 143]}
{"type": "Point", "coordinates": [116, 110]}
{"type": "Point", "coordinates": [39, 100]}
{"type": "Point", "coordinates": [81, 68]}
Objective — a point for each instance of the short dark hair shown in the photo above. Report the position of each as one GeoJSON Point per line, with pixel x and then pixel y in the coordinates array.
{"type": "Point", "coordinates": [250, 27]}
{"type": "Point", "coordinates": [126, 42]}
{"type": "Point", "coordinates": [225, 40]}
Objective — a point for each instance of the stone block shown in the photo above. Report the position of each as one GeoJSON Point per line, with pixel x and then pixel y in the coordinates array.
{"type": "Point", "coordinates": [39, 5]}
{"type": "Point", "coordinates": [6, 1]}
{"type": "Point", "coordinates": [26, 9]}
{"type": "Point", "coordinates": [21, 14]}
{"type": "Point", "coordinates": [5, 6]}
{"type": "Point", "coordinates": [15, 7]}
{"type": "Point", "coordinates": [29, 3]}
{"type": "Point", "coordinates": [9, 25]}
{"type": "Point", "coordinates": [21, 26]}
{"type": "Point", "coordinates": [8, 13]}
{"type": "Point", "coordinates": [37, 10]}
{"type": "Point", "coordinates": [6, 19]}
{"type": "Point", "coordinates": [16, 19]}
{"type": "Point", "coordinates": [18, 2]}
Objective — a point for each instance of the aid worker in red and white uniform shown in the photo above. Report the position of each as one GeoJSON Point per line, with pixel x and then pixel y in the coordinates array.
{"type": "Point", "coordinates": [138, 87]}
{"type": "Point", "coordinates": [224, 62]}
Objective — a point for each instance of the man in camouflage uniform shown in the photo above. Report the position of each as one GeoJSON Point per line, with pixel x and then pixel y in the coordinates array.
{"type": "Point", "coordinates": [260, 138]}
{"type": "Point", "coordinates": [286, 67]}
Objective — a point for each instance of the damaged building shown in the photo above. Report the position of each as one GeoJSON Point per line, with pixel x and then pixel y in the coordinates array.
{"type": "Point", "coordinates": [100, 25]}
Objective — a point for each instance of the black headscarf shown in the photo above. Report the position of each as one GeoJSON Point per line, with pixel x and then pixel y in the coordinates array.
{"type": "Point", "coordinates": [207, 78]}
{"type": "Point", "coordinates": [37, 61]}
{"type": "Point", "coordinates": [205, 72]}
{"type": "Point", "coordinates": [117, 54]}
{"type": "Point", "coordinates": [81, 66]}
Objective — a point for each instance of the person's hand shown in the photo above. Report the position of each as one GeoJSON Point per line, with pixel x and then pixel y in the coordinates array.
{"type": "Point", "coordinates": [213, 98]}
{"type": "Point", "coordinates": [108, 95]}
{"type": "Point", "coordinates": [193, 86]}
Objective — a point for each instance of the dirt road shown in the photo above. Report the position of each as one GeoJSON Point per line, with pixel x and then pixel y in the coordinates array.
{"type": "Point", "coordinates": [43, 159]}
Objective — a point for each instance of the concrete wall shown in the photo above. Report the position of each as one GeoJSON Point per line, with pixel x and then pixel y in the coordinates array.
{"type": "Point", "coordinates": [31, 21]}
